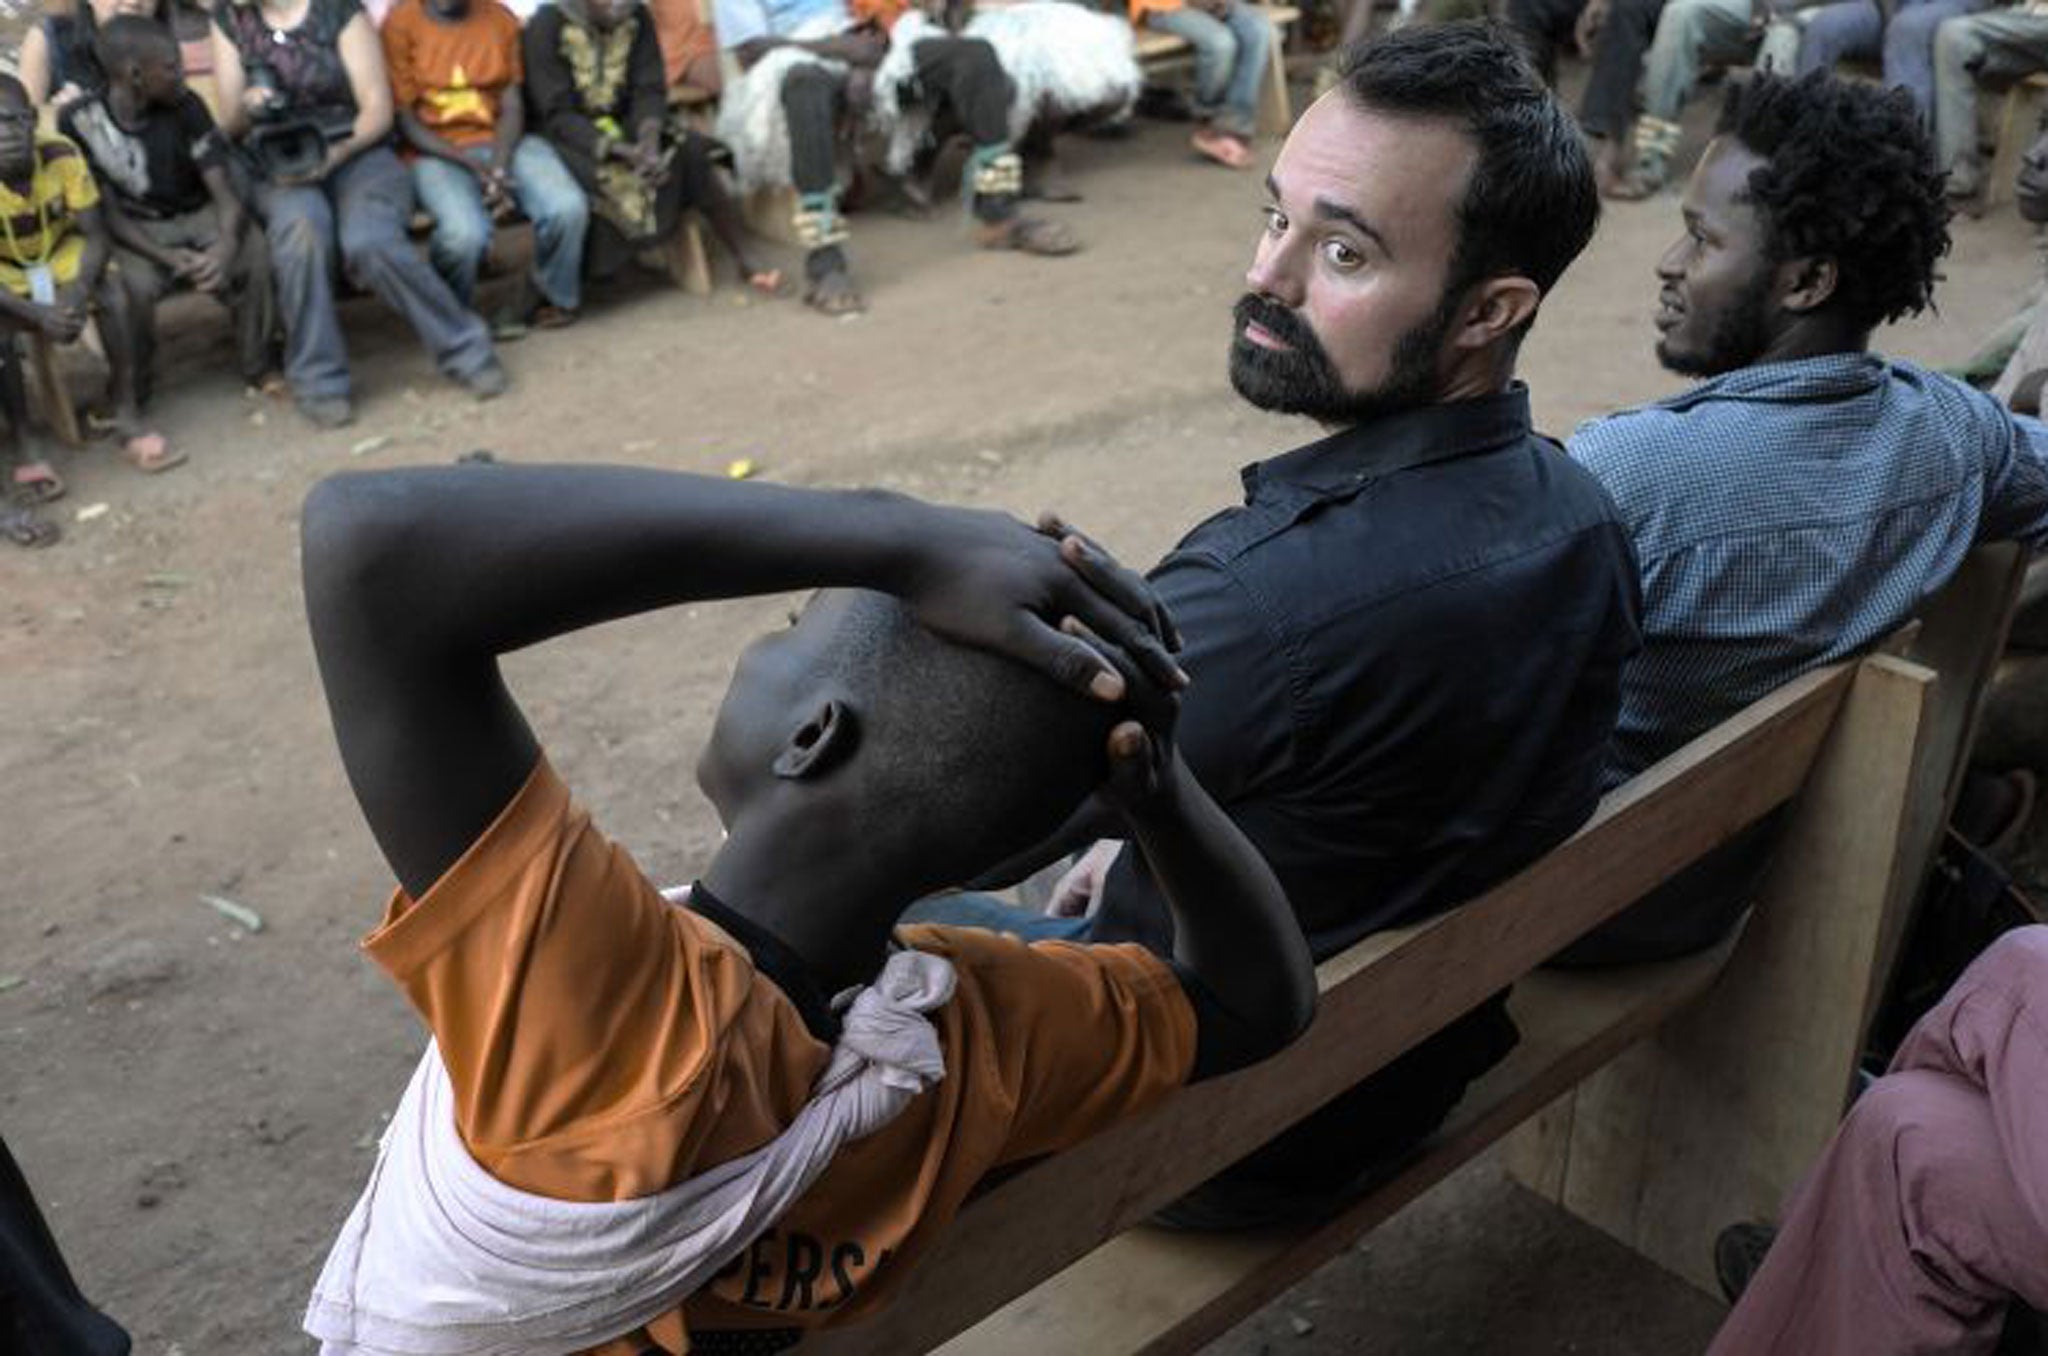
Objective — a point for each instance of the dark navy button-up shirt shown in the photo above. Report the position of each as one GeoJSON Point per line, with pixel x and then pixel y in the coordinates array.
{"type": "Point", "coordinates": [1406, 649]}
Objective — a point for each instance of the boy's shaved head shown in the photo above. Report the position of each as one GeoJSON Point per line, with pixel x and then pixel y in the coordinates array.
{"type": "Point", "coordinates": [915, 746]}
{"type": "Point", "coordinates": [133, 38]}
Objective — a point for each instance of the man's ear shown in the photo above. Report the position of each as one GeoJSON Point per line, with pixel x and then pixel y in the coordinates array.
{"type": "Point", "coordinates": [1806, 284]}
{"type": "Point", "coordinates": [1495, 309]}
{"type": "Point", "coordinates": [824, 740]}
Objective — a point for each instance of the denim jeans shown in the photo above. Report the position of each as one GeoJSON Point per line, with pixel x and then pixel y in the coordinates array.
{"type": "Point", "coordinates": [1230, 60]}
{"type": "Point", "coordinates": [547, 196]}
{"type": "Point", "coordinates": [359, 211]}
{"type": "Point", "coordinates": [1689, 34]}
{"type": "Point", "coordinates": [1855, 30]}
{"type": "Point", "coordinates": [968, 909]}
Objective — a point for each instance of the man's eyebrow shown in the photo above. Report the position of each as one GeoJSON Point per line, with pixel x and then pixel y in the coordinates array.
{"type": "Point", "coordinates": [1330, 210]}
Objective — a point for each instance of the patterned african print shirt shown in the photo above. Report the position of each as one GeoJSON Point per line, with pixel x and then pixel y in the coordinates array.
{"type": "Point", "coordinates": [1792, 514]}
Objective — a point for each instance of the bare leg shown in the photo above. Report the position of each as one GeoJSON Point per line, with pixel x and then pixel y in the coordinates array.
{"type": "Point", "coordinates": [143, 447]}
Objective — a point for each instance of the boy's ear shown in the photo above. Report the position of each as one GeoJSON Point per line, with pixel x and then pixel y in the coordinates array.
{"type": "Point", "coordinates": [824, 740]}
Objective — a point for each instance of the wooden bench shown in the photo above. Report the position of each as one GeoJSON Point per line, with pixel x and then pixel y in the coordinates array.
{"type": "Point", "coordinates": [1164, 52]}
{"type": "Point", "coordinates": [1703, 1086]}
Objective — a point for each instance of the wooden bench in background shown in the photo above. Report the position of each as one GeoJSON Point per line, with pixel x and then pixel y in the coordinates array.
{"type": "Point", "coordinates": [1746, 1068]}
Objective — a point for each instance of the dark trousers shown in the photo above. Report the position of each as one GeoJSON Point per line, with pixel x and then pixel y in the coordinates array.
{"type": "Point", "coordinates": [41, 1309]}
{"type": "Point", "coordinates": [1608, 107]}
{"type": "Point", "coordinates": [1543, 28]}
{"type": "Point", "coordinates": [958, 79]}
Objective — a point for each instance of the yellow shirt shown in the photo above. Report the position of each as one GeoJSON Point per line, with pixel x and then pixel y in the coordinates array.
{"type": "Point", "coordinates": [604, 1044]}
{"type": "Point", "coordinates": [41, 227]}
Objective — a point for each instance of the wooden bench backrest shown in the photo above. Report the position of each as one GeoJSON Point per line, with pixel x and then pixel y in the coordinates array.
{"type": "Point", "coordinates": [1882, 742]}
{"type": "Point", "coordinates": [1717, 1117]}
{"type": "Point", "coordinates": [1379, 998]}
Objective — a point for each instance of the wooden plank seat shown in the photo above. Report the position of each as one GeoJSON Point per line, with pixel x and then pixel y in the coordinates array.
{"type": "Point", "coordinates": [1760, 1053]}
{"type": "Point", "coordinates": [1164, 52]}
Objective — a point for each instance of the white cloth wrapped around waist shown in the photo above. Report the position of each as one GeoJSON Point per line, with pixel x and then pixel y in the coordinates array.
{"type": "Point", "coordinates": [440, 1258]}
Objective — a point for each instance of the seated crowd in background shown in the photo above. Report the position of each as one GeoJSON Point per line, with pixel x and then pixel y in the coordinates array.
{"type": "Point", "coordinates": [337, 124]}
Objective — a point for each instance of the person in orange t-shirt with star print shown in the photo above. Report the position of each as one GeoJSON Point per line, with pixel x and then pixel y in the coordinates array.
{"type": "Point", "coordinates": [456, 78]}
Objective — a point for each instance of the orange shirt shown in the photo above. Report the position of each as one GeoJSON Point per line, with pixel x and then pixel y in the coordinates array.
{"type": "Point", "coordinates": [453, 76]}
{"type": "Point", "coordinates": [680, 28]}
{"type": "Point", "coordinates": [605, 1044]}
{"type": "Point", "coordinates": [1140, 8]}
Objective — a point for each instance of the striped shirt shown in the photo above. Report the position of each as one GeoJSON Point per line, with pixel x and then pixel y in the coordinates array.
{"type": "Point", "coordinates": [1792, 514]}
{"type": "Point", "coordinates": [41, 226]}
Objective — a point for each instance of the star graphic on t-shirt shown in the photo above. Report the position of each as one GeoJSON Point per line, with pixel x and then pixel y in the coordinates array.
{"type": "Point", "coordinates": [459, 99]}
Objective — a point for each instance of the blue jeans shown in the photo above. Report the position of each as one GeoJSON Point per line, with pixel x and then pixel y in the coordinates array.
{"type": "Point", "coordinates": [1230, 60]}
{"type": "Point", "coordinates": [360, 211]}
{"type": "Point", "coordinates": [1853, 29]}
{"type": "Point", "coordinates": [547, 196]}
{"type": "Point", "coordinates": [971, 910]}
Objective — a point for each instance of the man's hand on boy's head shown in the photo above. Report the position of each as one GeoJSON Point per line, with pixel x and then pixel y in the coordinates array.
{"type": "Point", "coordinates": [988, 581]}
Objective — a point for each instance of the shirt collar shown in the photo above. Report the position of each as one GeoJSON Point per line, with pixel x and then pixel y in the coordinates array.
{"type": "Point", "coordinates": [1379, 447]}
{"type": "Point", "coordinates": [1829, 376]}
{"type": "Point", "coordinates": [774, 958]}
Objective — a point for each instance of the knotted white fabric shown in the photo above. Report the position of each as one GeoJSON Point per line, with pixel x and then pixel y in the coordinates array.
{"type": "Point", "coordinates": [439, 1258]}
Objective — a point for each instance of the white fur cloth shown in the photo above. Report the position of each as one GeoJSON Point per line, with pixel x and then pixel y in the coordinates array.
{"type": "Point", "coordinates": [1063, 59]}
{"type": "Point", "coordinates": [750, 116]}
{"type": "Point", "coordinates": [439, 1258]}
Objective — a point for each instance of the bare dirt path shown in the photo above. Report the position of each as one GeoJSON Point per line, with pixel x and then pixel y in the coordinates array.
{"type": "Point", "coordinates": [198, 1105]}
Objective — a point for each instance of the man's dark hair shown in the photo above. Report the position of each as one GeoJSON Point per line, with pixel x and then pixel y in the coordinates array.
{"type": "Point", "coordinates": [987, 756]}
{"type": "Point", "coordinates": [132, 37]}
{"type": "Point", "coordinates": [12, 91]}
{"type": "Point", "coordinates": [1531, 204]}
{"type": "Point", "coordinates": [1851, 177]}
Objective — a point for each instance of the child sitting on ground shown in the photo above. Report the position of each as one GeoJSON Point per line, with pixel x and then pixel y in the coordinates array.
{"type": "Point", "coordinates": [669, 1134]}
{"type": "Point", "coordinates": [170, 204]}
{"type": "Point", "coordinates": [53, 278]}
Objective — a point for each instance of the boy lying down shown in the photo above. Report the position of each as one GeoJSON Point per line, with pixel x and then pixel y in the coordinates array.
{"type": "Point", "coordinates": [649, 1125]}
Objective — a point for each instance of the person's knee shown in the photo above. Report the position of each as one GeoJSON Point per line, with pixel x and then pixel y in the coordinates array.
{"type": "Point", "coordinates": [1954, 45]}
{"type": "Point", "coordinates": [2017, 962]}
{"type": "Point", "coordinates": [807, 87]}
{"type": "Point", "coordinates": [297, 240]}
{"type": "Point", "coordinates": [368, 248]}
{"type": "Point", "coordinates": [457, 237]}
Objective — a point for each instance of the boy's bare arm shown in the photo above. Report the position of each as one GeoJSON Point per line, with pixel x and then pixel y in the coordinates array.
{"type": "Point", "coordinates": [417, 581]}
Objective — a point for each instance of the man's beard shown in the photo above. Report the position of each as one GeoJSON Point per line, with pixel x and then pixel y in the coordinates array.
{"type": "Point", "coordinates": [1740, 333]}
{"type": "Point", "coordinates": [1302, 380]}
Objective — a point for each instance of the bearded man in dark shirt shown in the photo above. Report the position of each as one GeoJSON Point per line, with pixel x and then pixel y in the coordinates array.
{"type": "Point", "coordinates": [1407, 642]}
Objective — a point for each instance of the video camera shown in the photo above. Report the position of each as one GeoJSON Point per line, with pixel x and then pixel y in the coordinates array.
{"type": "Point", "coordinates": [285, 142]}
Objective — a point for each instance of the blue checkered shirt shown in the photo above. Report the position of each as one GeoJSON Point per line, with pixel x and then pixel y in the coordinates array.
{"type": "Point", "coordinates": [1792, 514]}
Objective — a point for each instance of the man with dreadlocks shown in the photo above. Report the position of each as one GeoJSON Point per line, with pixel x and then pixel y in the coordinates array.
{"type": "Point", "coordinates": [1799, 504]}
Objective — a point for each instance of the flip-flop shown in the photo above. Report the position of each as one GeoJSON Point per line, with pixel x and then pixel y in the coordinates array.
{"type": "Point", "coordinates": [22, 527]}
{"type": "Point", "coordinates": [35, 482]}
{"type": "Point", "coordinates": [149, 453]}
{"type": "Point", "coordinates": [770, 282]}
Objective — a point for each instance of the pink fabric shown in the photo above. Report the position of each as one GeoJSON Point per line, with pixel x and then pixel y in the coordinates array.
{"type": "Point", "coordinates": [1929, 1210]}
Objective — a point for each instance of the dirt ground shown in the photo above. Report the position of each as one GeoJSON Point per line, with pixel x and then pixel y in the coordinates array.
{"type": "Point", "coordinates": [198, 1104]}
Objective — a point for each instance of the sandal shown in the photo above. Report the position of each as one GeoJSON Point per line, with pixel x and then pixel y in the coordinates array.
{"type": "Point", "coordinates": [1031, 235]}
{"type": "Point", "coordinates": [833, 293]}
{"type": "Point", "coordinates": [149, 453]}
{"type": "Point", "coordinates": [769, 282]}
{"type": "Point", "coordinates": [22, 527]}
{"type": "Point", "coordinates": [35, 482]}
